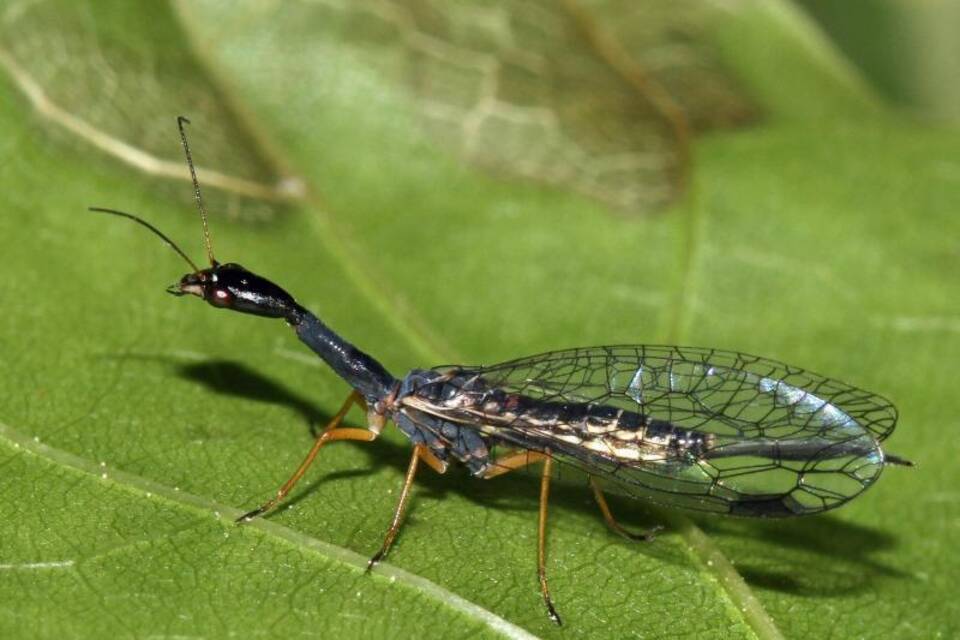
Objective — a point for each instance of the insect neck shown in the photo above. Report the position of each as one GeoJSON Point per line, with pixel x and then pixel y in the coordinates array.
{"type": "Point", "coordinates": [359, 370]}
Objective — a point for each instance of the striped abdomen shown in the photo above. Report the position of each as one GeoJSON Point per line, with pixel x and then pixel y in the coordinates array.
{"type": "Point", "coordinates": [611, 432]}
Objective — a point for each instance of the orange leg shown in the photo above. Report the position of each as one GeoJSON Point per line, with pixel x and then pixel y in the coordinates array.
{"type": "Point", "coordinates": [512, 462]}
{"type": "Point", "coordinates": [518, 460]}
{"type": "Point", "coordinates": [420, 452]}
{"type": "Point", "coordinates": [542, 539]}
{"type": "Point", "coordinates": [435, 463]}
{"type": "Point", "coordinates": [332, 432]}
{"type": "Point", "coordinates": [644, 536]}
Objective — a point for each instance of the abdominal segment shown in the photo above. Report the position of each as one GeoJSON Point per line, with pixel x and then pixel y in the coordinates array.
{"type": "Point", "coordinates": [607, 431]}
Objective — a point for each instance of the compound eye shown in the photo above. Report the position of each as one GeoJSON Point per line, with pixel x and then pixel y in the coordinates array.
{"type": "Point", "coordinates": [221, 298]}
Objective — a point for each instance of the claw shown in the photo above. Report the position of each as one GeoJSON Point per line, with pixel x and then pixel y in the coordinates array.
{"type": "Point", "coordinates": [377, 557]}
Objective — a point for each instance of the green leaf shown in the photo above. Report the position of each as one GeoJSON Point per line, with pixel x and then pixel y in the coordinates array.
{"type": "Point", "coordinates": [136, 426]}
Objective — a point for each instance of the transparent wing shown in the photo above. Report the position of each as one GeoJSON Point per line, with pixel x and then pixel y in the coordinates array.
{"type": "Point", "coordinates": [774, 440]}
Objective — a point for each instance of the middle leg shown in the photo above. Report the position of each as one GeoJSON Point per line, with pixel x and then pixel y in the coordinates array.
{"type": "Point", "coordinates": [542, 540]}
{"type": "Point", "coordinates": [420, 452]}
{"type": "Point", "coordinates": [519, 460]}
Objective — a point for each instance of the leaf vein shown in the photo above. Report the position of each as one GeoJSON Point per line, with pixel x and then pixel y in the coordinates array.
{"type": "Point", "coordinates": [144, 486]}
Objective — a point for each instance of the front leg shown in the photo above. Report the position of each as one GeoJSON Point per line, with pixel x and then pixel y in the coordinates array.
{"type": "Point", "coordinates": [331, 433]}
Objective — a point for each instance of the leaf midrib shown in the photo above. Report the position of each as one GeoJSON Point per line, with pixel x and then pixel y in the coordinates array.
{"type": "Point", "coordinates": [144, 487]}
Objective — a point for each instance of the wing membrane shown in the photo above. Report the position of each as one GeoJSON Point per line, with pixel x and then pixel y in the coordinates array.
{"type": "Point", "coordinates": [781, 440]}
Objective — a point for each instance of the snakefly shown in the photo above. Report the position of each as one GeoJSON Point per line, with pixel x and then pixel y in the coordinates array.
{"type": "Point", "coordinates": [700, 429]}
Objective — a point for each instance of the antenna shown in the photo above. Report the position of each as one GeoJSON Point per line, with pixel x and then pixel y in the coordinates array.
{"type": "Point", "coordinates": [169, 242]}
{"type": "Point", "coordinates": [196, 189]}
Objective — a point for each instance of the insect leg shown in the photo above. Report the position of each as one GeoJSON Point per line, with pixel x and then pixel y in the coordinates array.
{"type": "Point", "coordinates": [542, 540]}
{"type": "Point", "coordinates": [420, 452]}
{"type": "Point", "coordinates": [435, 463]}
{"type": "Point", "coordinates": [332, 432]}
{"type": "Point", "coordinates": [512, 462]}
{"type": "Point", "coordinates": [644, 536]}
{"type": "Point", "coordinates": [519, 460]}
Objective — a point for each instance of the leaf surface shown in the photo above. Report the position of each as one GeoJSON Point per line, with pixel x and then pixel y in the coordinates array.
{"type": "Point", "coordinates": [829, 242]}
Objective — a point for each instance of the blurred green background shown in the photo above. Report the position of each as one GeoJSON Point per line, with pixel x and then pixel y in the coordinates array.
{"type": "Point", "coordinates": [462, 182]}
{"type": "Point", "coordinates": [907, 50]}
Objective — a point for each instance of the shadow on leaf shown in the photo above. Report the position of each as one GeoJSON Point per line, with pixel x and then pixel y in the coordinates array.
{"type": "Point", "coordinates": [782, 551]}
{"type": "Point", "coordinates": [234, 379]}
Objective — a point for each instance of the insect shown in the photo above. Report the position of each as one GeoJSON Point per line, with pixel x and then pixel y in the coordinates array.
{"type": "Point", "coordinates": [701, 429]}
